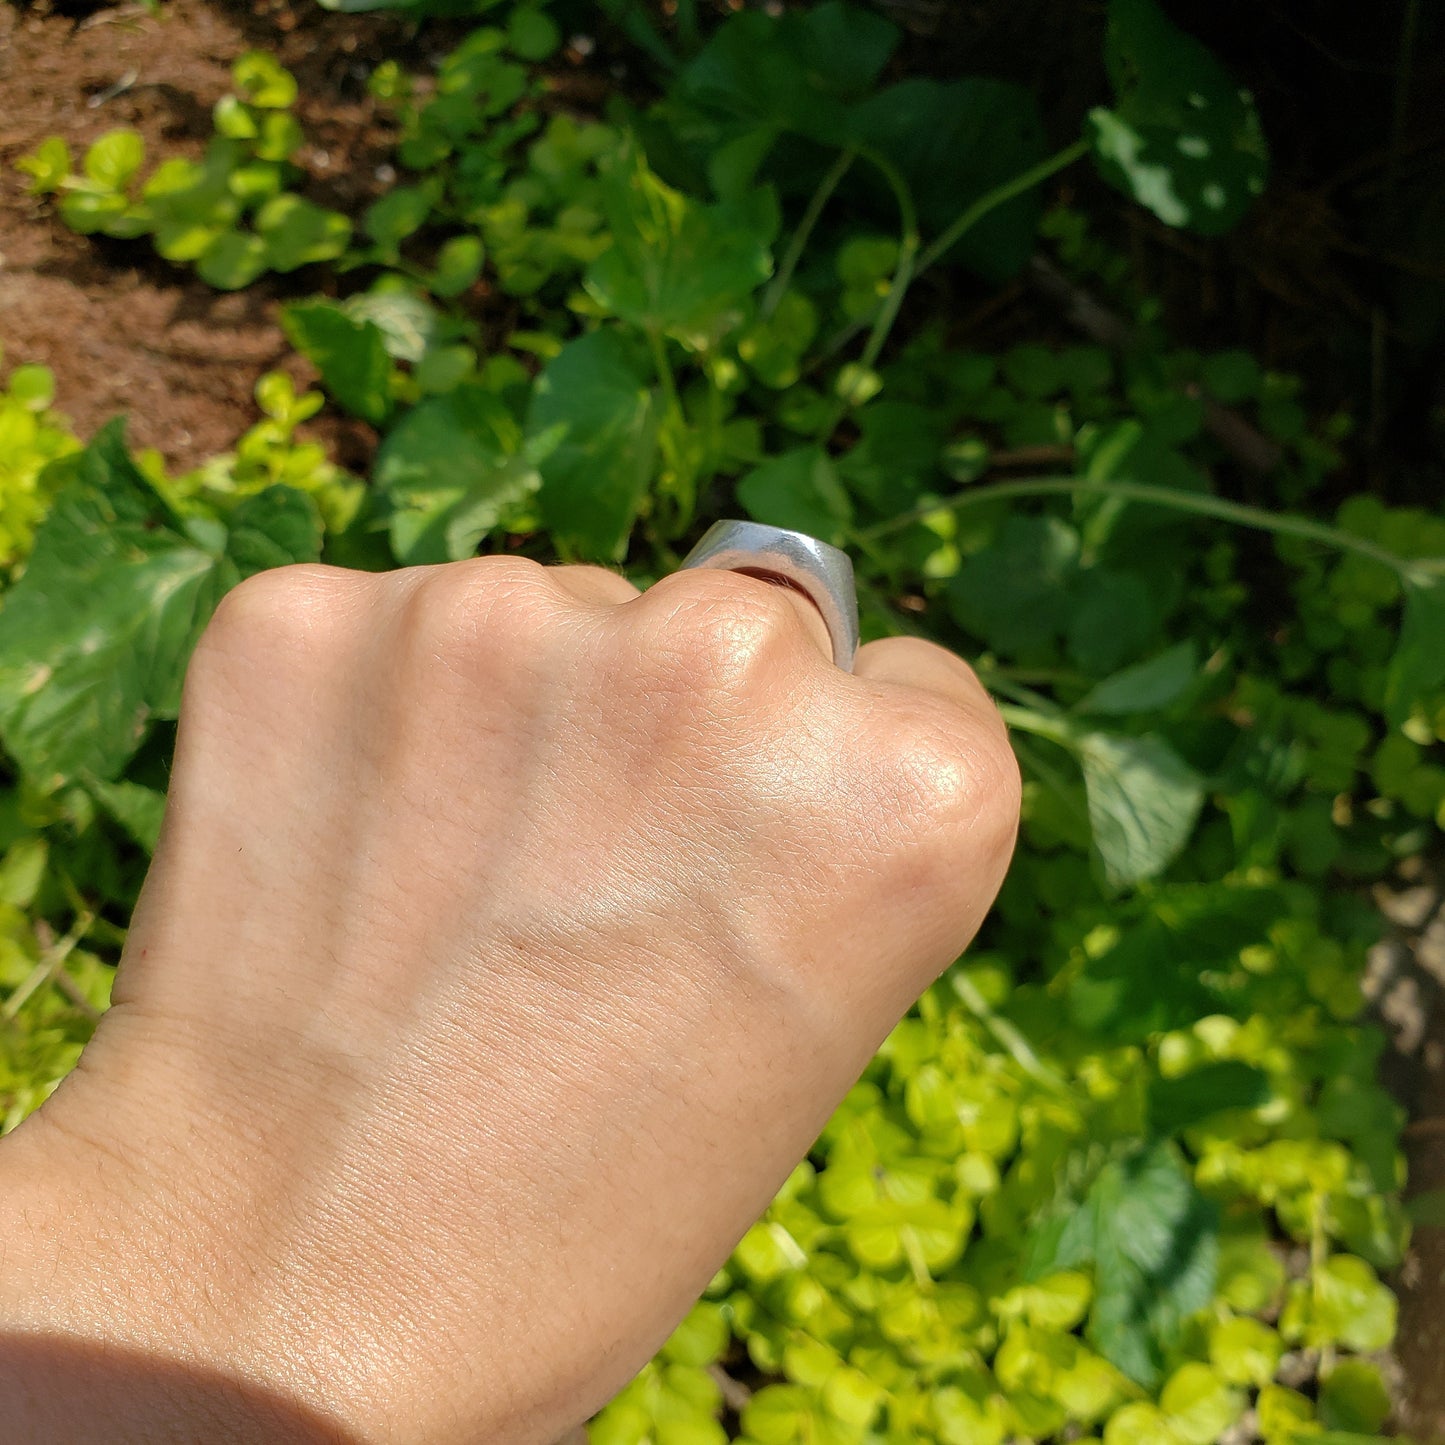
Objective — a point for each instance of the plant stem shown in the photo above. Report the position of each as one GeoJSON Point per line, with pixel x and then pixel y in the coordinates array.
{"type": "Point", "coordinates": [905, 270]}
{"type": "Point", "coordinates": [1006, 1034]}
{"type": "Point", "coordinates": [903, 274]}
{"type": "Point", "coordinates": [999, 196]}
{"type": "Point", "coordinates": [1029, 720]}
{"type": "Point", "coordinates": [1199, 503]}
{"type": "Point", "coordinates": [970, 217]}
{"type": "Point", "coordinates": [51, 961]}
{"type": "Point", "coordinates": [663, 367]}
{"type": "Point", "coordinates": [801, 236]}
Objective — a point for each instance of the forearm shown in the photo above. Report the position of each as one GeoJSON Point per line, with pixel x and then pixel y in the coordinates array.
{"type": "Point", "coordinates": [98, 1334]}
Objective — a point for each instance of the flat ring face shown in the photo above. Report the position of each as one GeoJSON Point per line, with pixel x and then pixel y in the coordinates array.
{"type": "Point", "coordinates": [822, 572]}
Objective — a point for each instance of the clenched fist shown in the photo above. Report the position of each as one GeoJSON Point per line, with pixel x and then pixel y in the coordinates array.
{"type": "Point", "coordinates": [510, 937]}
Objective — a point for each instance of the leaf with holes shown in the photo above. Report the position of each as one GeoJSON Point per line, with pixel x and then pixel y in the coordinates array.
{"type": "Point", "coordinates": [1183, 139]}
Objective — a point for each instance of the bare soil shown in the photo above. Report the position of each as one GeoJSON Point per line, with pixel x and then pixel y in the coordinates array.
{"type": "Point", "coordinates": [1406, 985]}
{"type": "Point", "coordinates": [123, 330]}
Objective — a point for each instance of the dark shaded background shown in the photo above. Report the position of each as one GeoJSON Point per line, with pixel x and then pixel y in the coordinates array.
{"type": "Point", "coordinates": [1339, 271]}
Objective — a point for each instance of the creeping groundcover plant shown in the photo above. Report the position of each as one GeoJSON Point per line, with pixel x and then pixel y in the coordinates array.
{"type": "Point", "coordinates": [1125, 1173]}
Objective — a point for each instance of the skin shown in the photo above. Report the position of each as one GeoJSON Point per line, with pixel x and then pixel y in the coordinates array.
{"type": "Point", "coordinates": [510, 937]}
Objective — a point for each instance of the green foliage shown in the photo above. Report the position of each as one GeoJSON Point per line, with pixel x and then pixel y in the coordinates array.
{"type": "Point", "coordinates": [230, 213]}
{"type": "Point", "coordinates": [95, 636]}
{"type": "Point", "coordinates": [1182, 139]}
{"type": "Point", "coordinates": [267, 455]}
{"type": "Point", "coordinates": [1122, 1163]}
{"type": "Point", "coordinates": [594, 402]}
{"type": "Point", "coordinates": [34, 444]}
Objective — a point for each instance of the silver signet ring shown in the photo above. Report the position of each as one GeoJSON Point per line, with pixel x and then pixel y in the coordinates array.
{"type": "Point", "coordinates": [822, 573]}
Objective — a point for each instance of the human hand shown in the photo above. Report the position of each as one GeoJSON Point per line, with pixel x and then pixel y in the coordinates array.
{"type": "Point", "coordinates": [510, 937]}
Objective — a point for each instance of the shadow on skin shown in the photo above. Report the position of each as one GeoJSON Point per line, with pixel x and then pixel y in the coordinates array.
{"type": "Point", "coordinates": [58, 1391]}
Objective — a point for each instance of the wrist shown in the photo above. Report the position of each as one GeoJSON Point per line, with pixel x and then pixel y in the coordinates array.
{"type": "Point", "coordinates": [110, 1326]}
{"type": "Point", "coordinates": [149, 1289]}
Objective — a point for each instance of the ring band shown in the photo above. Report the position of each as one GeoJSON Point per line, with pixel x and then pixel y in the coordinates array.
{"type": "Point", "coordinates": [823, 573]}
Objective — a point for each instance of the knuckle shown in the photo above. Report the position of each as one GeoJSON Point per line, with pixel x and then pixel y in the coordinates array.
{"type": "Point", "coordinates": [267, 635]}
{"type": "Point", "coordinates": [490, 610]}
{"type": "Point", "coordinates": [716, 631]}
{"type": "Point", "coordinates": [285, 602]}
{"type": "Point", "coordinates": [955, 776]}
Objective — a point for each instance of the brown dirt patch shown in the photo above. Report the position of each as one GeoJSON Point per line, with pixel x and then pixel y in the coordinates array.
{"type": "Point", "coordinates": [123, 330]}
{"type": "Point", "coordinates": [1406, 985]}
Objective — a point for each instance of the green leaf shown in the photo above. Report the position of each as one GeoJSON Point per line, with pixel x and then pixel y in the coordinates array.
{"type": "Point", "coordinates": [1139, 1423]}
{"type": "Point", "coordinates": [1251, 1273]}
{"type": "Point", "coordinates": [1146, 686]}
{"type": "Point", "coordinates": [1155, 1251]}
{"type": "Point", "coordinates": [90, 211]}
{"type": "Point", "coordinates": [595, 481]}
{"type": "Point", "coordinates": [778, 1414]}
{"type": "Point", "coordinates": [1153, 1243]}
{"type": "Point", "coordinates": [850, 1396]}
{"type": "Point", "coordinates": [272, 528]}
{"type": "Point", "coordinates": [261, 80]}
{"type": "Point", "coordinates": [95, 636]}
{"type": "Point", "coordinates": [1122, 990]}
{"type": "Point", "coordinates": [450, 471]}
{"type": "Point", "coordinates": [897, 454]}
{"type": "Point", "coordinates": [1143, 803]}
{"type": "Point", "coordinates": [185, 241]}
{"type": "Point", "coordinates": [1245, 1351]}
{"type": "Point", "coordinates": [407, 320]}
{"type": "Point", "coordinates": [1354, 1398]}
{"type": "Point", "coordinates": [443, 368]}
{"type": "Point", "coordinates": [1285, 1416]}
{"type": "Point", "coordinates": [22, 870]}
{"type": "Point", "coordinates": [792, 71]}
{"type": "Point", "coordinates": [114, 159]}
{"type": "Point", "coordinates": [1013, 593]}
{"type": "Point", "coordinates": [1200, 1406]}
{"type": "Point", "coordinates": [234, 119]}
{"type": "Point", "coordinates": [1058, 1301]}
{"type": "Point", "coordinates": [1183, 139]}
{"type": "Point", "coordinates": [1347, 1305]}
{"type": "Point", "coordinates": [350, 355]}
{"type": "Point", "coordinates": [138, 809]}
{"type": "Point", "coordinates": [954, 141]}
{"type": "Point", "coordinates": [532, 34]}
{"type": "Point", "coordinates": [32, 387]}
{"type": "Point", "coordinates": [47, 165]}
{"type": "Point", "coordinates": [255, 184]}
{"type": "Point", "coordinates": [701, 1338]}
{"type": "Point", "coordinates": [458, 264]}
{"type": "Point", "coordinates": [1232, 377]}
{"type": "Point", "coordinates": [397, 214]}
{"type": "Point", "coordinates": [298, 233]}
{"type": "Point", "coordinates": [1180, 1103]}
{"type": "Point", "coordinates": [773, 346]}
{"type": "Point", "coordinates": [1113, 617]}
{"type": "Point", "coordinates": [233, 260]}
{"type": "Point", "coordinates": [279, 136]}
{"type": "Point", "coordinates": [800, 491]}
{"type": "Point", "coordinates": [676, 266]}
{"type": "Point", "coordinates": [192, 203]}
{"type": "Point", "coordinates": [1418, 667]}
